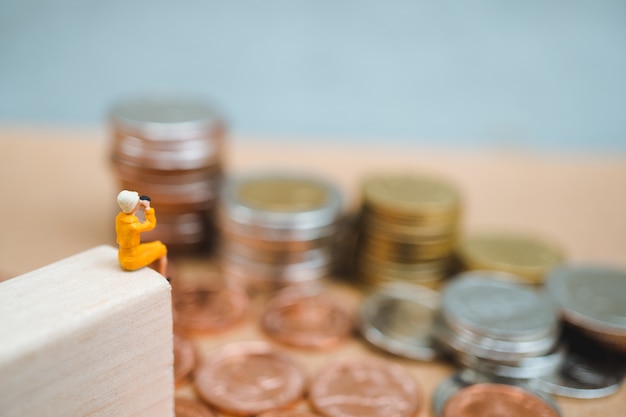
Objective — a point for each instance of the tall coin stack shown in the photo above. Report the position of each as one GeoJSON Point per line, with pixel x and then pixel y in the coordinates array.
{"type": "Point", "coordinates": [408, 229]}
{"type": "Point", "coordinates": [170, 146]}
{"type": "Point", "coordinates": [277, 229]}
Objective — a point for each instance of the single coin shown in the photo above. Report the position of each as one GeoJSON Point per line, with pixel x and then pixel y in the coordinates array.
{"type": "Point", "coordinates": [307, 319]}
{"type": "Point", "coordinates": [206, 308]}
{"type": "Point", "coordinates": [486, 400]}
{"type": "Point", "coordinates": [184, 359]}
{"type": "Point", "coordinates": [398, 319]}
{"type": "Point", "coordinates": [282, 194]}
{"type": "Point", "coordinates": [581, 377]}
{"type": "Point", "coordinates": [281, 199]}
{"type": "Point", "coordinates": [365, 388]}
{"type": "Point", "coordinates": [289, 413]}
{"type": "Point", "coordinates": [591, 297]}
{"type": "Point", "coordinates": [189, 408]}
{"type": "Point", "coordinates": [456, 396]}
{"type": "Point", "coordinates": [249, 378]}
{"type": "Point", "coordinates": [410, 193]}
{"type": "Point", "coordinates": [528, 257]}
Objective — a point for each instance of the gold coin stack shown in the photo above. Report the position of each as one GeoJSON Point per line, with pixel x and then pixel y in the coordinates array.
{"type": "Point", "coordinates": [529, 258]}
{"type": "Point", "coordinates": [170, 147]}
{"type": "Point", "coordinates": [277, 229]}
{"type": "Point", "coordinates": [408, 228]}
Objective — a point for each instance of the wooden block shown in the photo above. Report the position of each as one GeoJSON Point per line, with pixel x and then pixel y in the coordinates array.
{"type": "Point", "coordinates": [82, 337]}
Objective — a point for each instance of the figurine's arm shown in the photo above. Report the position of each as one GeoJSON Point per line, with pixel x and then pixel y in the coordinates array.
{"type": "Point", "coordinates": [150, 222]}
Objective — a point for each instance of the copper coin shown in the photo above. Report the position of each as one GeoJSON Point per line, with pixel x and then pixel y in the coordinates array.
{"type": "Point", "coordinates": [364, 388]}
{"type": "Point", "coordinates": [208, 308]}
{"type": "Point", "coordinates": [289, 413]}
{"type": "Point", "coordinates": [492, 400]}
{"type": "Point", "coordinates": [184, 359]}
{"type": "Point", "coordinates": [190, 408]}
{"type": "Point", "coordinates": [249, 378]}
{"type": "Point", "coordinates": [306, 319]}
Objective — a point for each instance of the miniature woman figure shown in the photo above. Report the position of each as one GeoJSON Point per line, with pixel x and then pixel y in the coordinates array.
{"type": "Point", "coordinates": [132, 253]}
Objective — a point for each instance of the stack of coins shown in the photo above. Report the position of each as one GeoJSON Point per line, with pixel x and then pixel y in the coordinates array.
{"type": "Point", "coordinates": [277, 229]}
{"type": "Point", "coordinates": [170, 147]}
{"type": "Point", "coordinates": [408, 229]}
{"type": "Point", "coordinates": [527, 257]}
{"type": "Point", "coordinates": [498, 327]}
{"type": "Point", "coordinates": [592, 300]}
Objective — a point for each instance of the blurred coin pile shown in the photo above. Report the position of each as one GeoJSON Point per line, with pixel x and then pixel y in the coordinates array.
{"type": "Point", "coordinates": [408, 228]}
{"type": "Point", "coordinates": [500, 331]}
{"type": "Point", "coordinates": [277, 229]}
{"type": "Point", "coordinates": [170, 146]}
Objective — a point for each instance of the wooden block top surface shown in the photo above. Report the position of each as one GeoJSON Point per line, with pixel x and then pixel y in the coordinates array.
{"type": "Point", "coordinates": [53, 301]}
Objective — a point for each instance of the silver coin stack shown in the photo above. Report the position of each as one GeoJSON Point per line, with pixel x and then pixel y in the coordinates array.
{"type": "Point", "coordinates": [592, 299]}
{"type": "Point", "coordinates": [277, 229]}
{"type": "Point", "coordinates": [498, 327]}
{"type": "Point", "coordinates": [170, 146]}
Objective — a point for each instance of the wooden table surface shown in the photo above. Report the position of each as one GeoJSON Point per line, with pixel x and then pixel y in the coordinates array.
{"type": "Point", "coordinates": [58, 198]}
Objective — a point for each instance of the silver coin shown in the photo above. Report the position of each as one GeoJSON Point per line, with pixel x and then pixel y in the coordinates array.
{"type": "Point", "coordinates": [506, 311]}
{"type": "Point", "coordinates": [165, 115]}
{"type": "Point", "coordinates": [398, 318]}
{"type": "Point", "coordinates": [592, 297]}
{"type": "Point", "coordinates": [580, 377]}
{"type": "Point", "coordinates": [466, 378]}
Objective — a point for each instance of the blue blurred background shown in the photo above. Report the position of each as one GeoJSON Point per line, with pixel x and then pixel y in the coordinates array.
{"type": "Point", "coordinates": [545, 75]}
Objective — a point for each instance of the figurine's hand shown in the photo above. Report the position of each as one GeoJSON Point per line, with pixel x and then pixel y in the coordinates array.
{"type": "Point", "coordinates": [145, 204]}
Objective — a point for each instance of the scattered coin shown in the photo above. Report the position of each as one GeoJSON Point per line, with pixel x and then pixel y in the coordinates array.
{"type": "Point", "coordinates": [398, 319]}
{"type": "Point", "coordinates": [364, 388]}
{"type": "Point", "coordinates": [527, 257]}
{"type": "Point", "coordinates": [580, 377]}
{"type": "Point", "coordinates": [306, 319]}
{"type": "Point", "coordinates": [249, 378]}
{"type": "Point", "coordinates": [456, 398]}
{"type": "Point", "coordinates": [184, 407]}
{"type": "Point", "coordinates": [289, 413]}
{"type": "Point", "coordinates": [184, 359]}
{"type": "Point", "coordinates": [208, 308]}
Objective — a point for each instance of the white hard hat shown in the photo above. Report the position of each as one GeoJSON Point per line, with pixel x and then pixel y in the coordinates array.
{"type": "Point", "coordinates": [127, 200]}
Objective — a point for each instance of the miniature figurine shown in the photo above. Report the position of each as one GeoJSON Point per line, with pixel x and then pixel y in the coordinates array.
{"type": "Point", "coordinates": [132, 253]}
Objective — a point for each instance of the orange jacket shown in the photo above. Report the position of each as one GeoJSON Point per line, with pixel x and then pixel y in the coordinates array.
{"type": "Point", "coordinates": [132, 253]}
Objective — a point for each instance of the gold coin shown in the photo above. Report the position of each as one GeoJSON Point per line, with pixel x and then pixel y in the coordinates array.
{"type": "Point", "coordinates": [403, 194]}
{"type": "Point", "coordinates": [282, 194]}
{"type": "Point", "coordinates": [525, 256]}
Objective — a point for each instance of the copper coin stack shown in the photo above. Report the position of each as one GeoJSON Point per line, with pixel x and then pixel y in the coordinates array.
{"type": "Point", "coordinates": [408, 228]}
{"type": "Point", "coordinates": [169, 146]}
{"type": "Point", "coordinates": [277, 229]}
